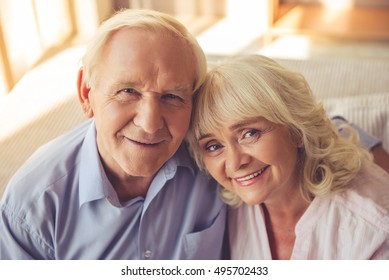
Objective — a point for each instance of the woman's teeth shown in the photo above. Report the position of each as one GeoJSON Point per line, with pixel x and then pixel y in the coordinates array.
{"type": "Point", "coordinates": [251, 176]}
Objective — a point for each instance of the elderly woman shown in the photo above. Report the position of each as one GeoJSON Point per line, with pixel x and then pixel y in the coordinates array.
{"type": "Point", "coordinates": [297, 189]}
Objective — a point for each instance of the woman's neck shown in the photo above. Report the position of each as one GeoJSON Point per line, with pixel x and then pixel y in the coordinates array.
{"type": "Point", "coordinates": [281, 220]}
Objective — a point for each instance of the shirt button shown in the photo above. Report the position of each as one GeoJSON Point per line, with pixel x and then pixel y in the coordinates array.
{"type": "Point", "coordinates": [147, 254]}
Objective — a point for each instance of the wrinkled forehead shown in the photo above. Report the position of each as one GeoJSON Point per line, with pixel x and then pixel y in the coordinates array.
{"type": "Point", "coordinates": [135, 56]}
{"type": "Point", "coordinates": [150, 40]}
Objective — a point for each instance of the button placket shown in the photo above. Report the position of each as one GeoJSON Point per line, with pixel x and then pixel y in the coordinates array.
{"type": "Point", "coordinates": [147, 254]}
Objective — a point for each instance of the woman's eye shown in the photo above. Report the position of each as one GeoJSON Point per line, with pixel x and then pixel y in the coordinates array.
{"type": "Point", "coordinates": [251, 133]}
{"type": "Point", "coordinates": [212, 147]}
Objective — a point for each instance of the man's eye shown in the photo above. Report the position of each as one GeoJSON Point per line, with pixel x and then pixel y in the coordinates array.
{"type": "Point", "coordinates": [129, 90]}
{"type": "Point", "coordinates": [170, 96]}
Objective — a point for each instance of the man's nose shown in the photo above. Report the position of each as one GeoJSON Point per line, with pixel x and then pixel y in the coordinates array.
{"type": "Point", "coordinates": [149, 115]}
{"type": "Point", "coordinates": [236, 158]}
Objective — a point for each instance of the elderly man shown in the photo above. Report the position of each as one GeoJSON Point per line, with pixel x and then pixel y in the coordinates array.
{"type": "Point", "coordinates": [121, 185]}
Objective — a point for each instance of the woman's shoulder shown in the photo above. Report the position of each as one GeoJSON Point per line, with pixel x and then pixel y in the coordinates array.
{"type": "Point", "coordinates": [367, 196]}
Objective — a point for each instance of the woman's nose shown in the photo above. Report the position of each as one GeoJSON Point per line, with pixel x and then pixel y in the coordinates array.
{"type": "Point", "coordinates": [236, 158]}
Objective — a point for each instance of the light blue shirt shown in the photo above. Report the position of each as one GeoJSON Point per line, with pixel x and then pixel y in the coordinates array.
{"type": "Point", "coordinates": [367, 140]}
{"type": "Point", "coordinates": [60, 205]}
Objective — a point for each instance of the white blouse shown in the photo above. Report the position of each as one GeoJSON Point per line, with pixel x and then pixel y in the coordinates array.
{"type": "Point", "coordinates": [350, 225]}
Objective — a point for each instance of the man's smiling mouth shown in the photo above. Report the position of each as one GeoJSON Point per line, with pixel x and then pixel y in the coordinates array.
{"type": "Point", "coordinates": [145, 143]}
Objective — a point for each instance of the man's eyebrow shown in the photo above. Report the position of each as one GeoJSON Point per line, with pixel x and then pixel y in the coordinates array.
{"type": "Point", "coordinates": [180, 89]}
{"type": "Point", "coordinates": [135, 85]}
{"type": "Point", "coordinates": [128, 84]}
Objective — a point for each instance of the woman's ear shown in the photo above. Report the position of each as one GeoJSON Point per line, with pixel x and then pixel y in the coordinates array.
{"type": "Point", "coordinates": [297, 138]}
{"type": "Point", "coordinates": [83, 94]}
{"type": "Point", "coordinates": [299, 142]}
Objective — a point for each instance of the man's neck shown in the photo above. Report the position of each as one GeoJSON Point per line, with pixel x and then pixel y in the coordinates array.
{"type": "Point", "coordinates": [131, 187]}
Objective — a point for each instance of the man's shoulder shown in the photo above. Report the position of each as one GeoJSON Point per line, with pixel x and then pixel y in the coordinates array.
{"type": "Point", "coordinates": [50, 163]}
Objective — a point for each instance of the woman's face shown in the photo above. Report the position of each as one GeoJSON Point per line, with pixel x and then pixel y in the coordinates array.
{"type": "Point", "coordinates": [255, 159]}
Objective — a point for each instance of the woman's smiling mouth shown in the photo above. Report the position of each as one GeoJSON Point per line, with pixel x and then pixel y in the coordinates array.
{"type": "Point", "coordinates": [246, 179]}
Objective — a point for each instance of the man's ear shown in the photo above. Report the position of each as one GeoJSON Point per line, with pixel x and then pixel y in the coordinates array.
{"type": "Point", "coordinates": [83, 94]}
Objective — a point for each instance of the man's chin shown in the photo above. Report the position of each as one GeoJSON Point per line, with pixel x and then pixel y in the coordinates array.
{"type": "Point", "coordinates": [144, 164]}
{"type": "Point", "coordinates": [146, 169]}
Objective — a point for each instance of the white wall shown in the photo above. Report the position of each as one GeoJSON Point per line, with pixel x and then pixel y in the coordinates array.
{"type": "Point", "coordinates": [355, 3]}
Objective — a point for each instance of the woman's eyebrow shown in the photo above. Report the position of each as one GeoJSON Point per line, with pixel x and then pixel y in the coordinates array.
{"type": "Point", "coordinates": [234, 126]}
{"type": "Point", "coordinates": [207, 135]}
{"type": "Point", "coordinates": [240, 124]}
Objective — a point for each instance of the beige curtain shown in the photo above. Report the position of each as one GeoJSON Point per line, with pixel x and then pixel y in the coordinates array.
{"type": "Point", "coordinates": [31, 31]}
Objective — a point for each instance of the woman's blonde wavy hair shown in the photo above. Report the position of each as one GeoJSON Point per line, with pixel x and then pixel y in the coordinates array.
{"type": "Point", "coordinates": [246, 87]}
{"type": "Point", "coordinates": [150, 21]}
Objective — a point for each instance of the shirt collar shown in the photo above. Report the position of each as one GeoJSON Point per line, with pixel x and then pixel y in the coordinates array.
{"type": "Point", "coordinates": [180, 158]}
{"type": "Point", "coordinates": [92, 180]}
{"type": "Point", "coordinates": [94, 183]}
{"type": "Point", "coordinates": [168, 171]}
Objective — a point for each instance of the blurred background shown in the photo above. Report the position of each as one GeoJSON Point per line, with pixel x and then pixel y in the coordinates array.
{"type": "Point", "coordinates": [42, 41]}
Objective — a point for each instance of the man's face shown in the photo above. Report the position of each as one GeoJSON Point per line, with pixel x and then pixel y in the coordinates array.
{"type": "Point", "coordinates": [142, 101]}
